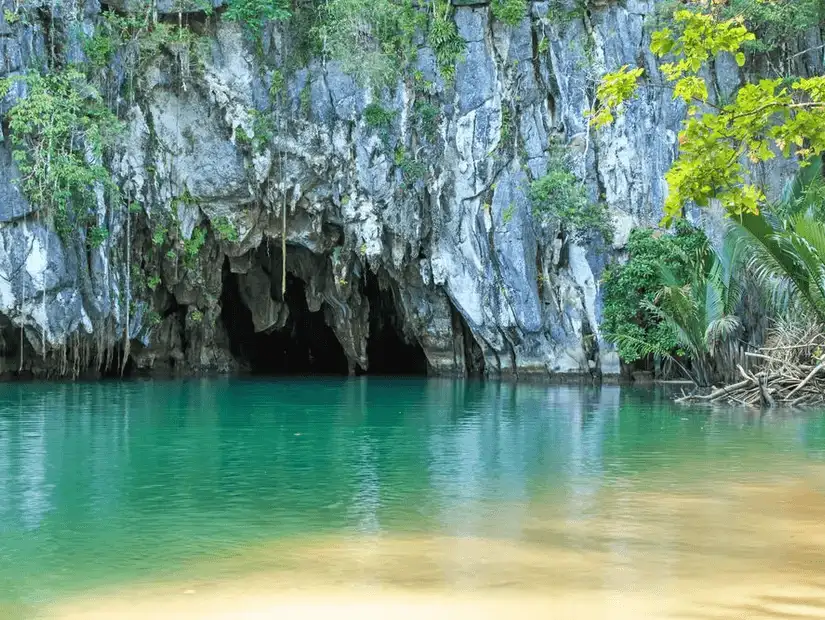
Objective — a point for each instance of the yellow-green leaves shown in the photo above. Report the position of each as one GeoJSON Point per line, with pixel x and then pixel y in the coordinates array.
{"type": "Point", "coordinates": [662, 42]}
{"type": "Point", "coordinates": [691, 88]}
{"type": "Point", "coordinates": [702, 38]}
{"type": "Point", "coordinates": [766, 117]}
{"type": "Point", "coordinates": [614, 89]}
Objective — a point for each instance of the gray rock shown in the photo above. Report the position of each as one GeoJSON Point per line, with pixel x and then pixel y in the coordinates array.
{"type": "Point", "coordinates": [13, 204]}
{"type": "Point", "coordinates": [437, 213]}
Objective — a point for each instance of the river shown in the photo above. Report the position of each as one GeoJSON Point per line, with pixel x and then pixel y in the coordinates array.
{"type": "Point", "coordinates": [395, 498]}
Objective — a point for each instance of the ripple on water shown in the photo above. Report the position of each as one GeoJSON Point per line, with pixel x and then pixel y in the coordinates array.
{"type": "Point", "coordinates": [206, 498]}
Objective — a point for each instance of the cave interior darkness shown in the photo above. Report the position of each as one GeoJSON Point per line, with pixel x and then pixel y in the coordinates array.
{"type": "Point", "coordinates": [306, 345]}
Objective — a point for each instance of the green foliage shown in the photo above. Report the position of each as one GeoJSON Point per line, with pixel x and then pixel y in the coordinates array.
{"type": "Point", "coordinates": [60, 133]}
{"type": "Point", "coordinates": [153, 318]}
{"type": "Point", "coordinates": [507, 214]}
{"type": "Point", "coordinates": [263, 129]}
{"type": "Point", "coordinates": [511, 12]}
{"type": "Point", "coordinates": [96, 236]}
{"type": "Point", "coordinates": [428, 115]}
{"type": "Point", "coordinates": [192, 247]}
{"type": "Point", "coordinates": [253, 14]}
{"type": "Point", "coordinates": [196, 316]}
{"type": "Point", "coordinates": [159, 235]}
{"type": "Point", "coordinates": [613, 90]}
{"type": "Point", "coordinates": [444, 39]}
{"type": "Point", "coordinates": [560, 12]}
{"type": "Point", "coordinates": [241, 137]}
{"type": "Point", "coordinates": [787, 256]}
{"type": "Point", "coordinates": [775, 22]}
{"type": "Point", "coordinates": [153, 282]}
{"type": "Point", "coordinates": [411, 169]}
{"type": "Point", "coordinates": [804, 194]}
{"type": "Point", "coordinates": [305, 98]}
{"type": "Point", "coordinates": [378, 117]}
{"type": "Point", "coordinates": [701, 310]}
{"type": "Point", "coordinates": [561, 196]}
{"type": "Point", "coordinates": [701, 37]}
{"type": "Point", "coordinates": [766, 117]}
{"type": "Point", "coordinates": [99, 49]}
{"type": "Point", "coordinates": [508, 127]}
{"type": "Point", "coordinates": [11, 17]}
{"type": "Point", "coordinates": [372, 39]}
{"type": "Point", "coordinates": [225, 229]}
{"type": "Point", "coordinates": [630, 317]}
{"type": "Point", "coordinates": [139, 40]}
{"type": "Point", "coordinates": [276, 84]}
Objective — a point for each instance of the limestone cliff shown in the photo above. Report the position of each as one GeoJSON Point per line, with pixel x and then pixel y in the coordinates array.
{"type": "Point", "coordinates": [415, 238]}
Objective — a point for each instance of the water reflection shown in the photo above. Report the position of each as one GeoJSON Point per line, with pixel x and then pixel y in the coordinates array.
{"type": "Point", "coordinates": [110, 482]}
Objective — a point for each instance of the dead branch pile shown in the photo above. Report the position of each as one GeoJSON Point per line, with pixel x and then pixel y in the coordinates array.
{"type": "Point", "coordinates": [789, 370]}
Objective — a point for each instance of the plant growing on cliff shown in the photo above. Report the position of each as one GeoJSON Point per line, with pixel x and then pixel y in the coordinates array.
{"type": "Point", "coordinates": [253, 14]}
{"type": "Point", "coordinates": [765, 118]}
{"type": "Point", "coordinates": [60, 134]}
{"type": "Point", "coordinates": [443, 38]}
{"type": "Point", "coordinates": [378, 117]}
{"type": "Point", "coordinates": [96, 236]}
{"type": "Point", "coordinates": [225, 229]}
{"type": "Point", "coordinates": [561, 196]}
{"type": "Point", "coordinates": [511, 12]}
{"type": "Point", "coordinates": [411, 169]}
{"type": "Point", "coordinates": [137, 39]}
{"type": "Point", "coordinates": [427, 115]}
{"type": "Point", "coordinates": [372, 39]}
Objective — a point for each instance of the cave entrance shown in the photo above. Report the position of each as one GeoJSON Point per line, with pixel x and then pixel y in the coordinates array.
{"type": "Point", "coordinates": [305, 345]}
{"type": "Point", "coordinates": [388, 351]}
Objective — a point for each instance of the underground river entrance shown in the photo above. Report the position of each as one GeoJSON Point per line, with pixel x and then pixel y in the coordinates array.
{"type": "Point", "coordinates": [307, 345]}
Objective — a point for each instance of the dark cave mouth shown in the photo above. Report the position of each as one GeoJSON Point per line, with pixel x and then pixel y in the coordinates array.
{"type": "Point", "coordinates": [306, 345]}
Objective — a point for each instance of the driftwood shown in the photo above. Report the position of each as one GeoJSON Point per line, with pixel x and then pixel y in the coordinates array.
{"type": "Point", "coordinates": [789, 370]}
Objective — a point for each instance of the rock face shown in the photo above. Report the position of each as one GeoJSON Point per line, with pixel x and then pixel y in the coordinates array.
{"type": "Point", "coordinates": [408, 246]}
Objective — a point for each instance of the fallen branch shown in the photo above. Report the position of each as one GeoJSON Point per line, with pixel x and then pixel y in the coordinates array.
{"type": "Point", "coordinates": [807, 379]}
{"type": "Point", "coordinates": [790, 371]}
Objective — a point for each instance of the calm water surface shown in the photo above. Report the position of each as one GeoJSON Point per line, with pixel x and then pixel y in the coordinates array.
{"type": "Point", "coordinates": [202, 498]}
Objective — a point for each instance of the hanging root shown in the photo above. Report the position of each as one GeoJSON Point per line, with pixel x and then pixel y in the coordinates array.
{"type": "Point", "coordinates": [792, 372]}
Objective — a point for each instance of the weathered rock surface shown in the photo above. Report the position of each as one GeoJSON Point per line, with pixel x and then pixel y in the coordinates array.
{"type": "Point", "coordinates": [432, 229]}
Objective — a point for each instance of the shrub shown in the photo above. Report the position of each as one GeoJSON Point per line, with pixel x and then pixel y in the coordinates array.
{"type": "Point", "coordinates": [511, 12]}
{"type": "Point", "coordinates": [630, 290]}
{"type": "Point", "coordinates": [225, 229]}
{"type": "Point", "coordinates": [54, 130]}
{"type": "Point", "coordinates": [253, 14]}
{"type": "Point", "coordinates": [377, 117]}
{"type": "Point", "coordinates": [560, 195]}
{"type": "Point", "coordinates": [372, 39]}
{"type": "Point", "coordinates": [443, 37]}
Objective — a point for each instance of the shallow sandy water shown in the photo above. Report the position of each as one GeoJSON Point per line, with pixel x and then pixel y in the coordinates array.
{"type": "Point", "coordinates": [743, 551]}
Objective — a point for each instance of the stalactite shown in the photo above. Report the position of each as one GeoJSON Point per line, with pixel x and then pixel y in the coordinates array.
{"type": "Point", "coordinates": [128, 290]}
{"type": "Point", "coordinates": [43, 303]}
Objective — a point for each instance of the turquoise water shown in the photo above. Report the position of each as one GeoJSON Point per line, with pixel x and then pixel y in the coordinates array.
{"type": "Point", "coordinates": [110, 483]}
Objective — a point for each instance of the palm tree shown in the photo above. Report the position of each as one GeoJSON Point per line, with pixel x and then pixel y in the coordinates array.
{"type": "Point", "coordinates": [786, 251]}
{"type": "Point", "coordinates": [699, 307]}
{"type": "Point", "coordinates": [702, 312]}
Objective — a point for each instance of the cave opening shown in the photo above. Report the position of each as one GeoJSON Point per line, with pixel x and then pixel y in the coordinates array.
{"type": "Point", "coordinates": [305, 345]}
{"type": "Point", "coordinates": [388, 351]}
